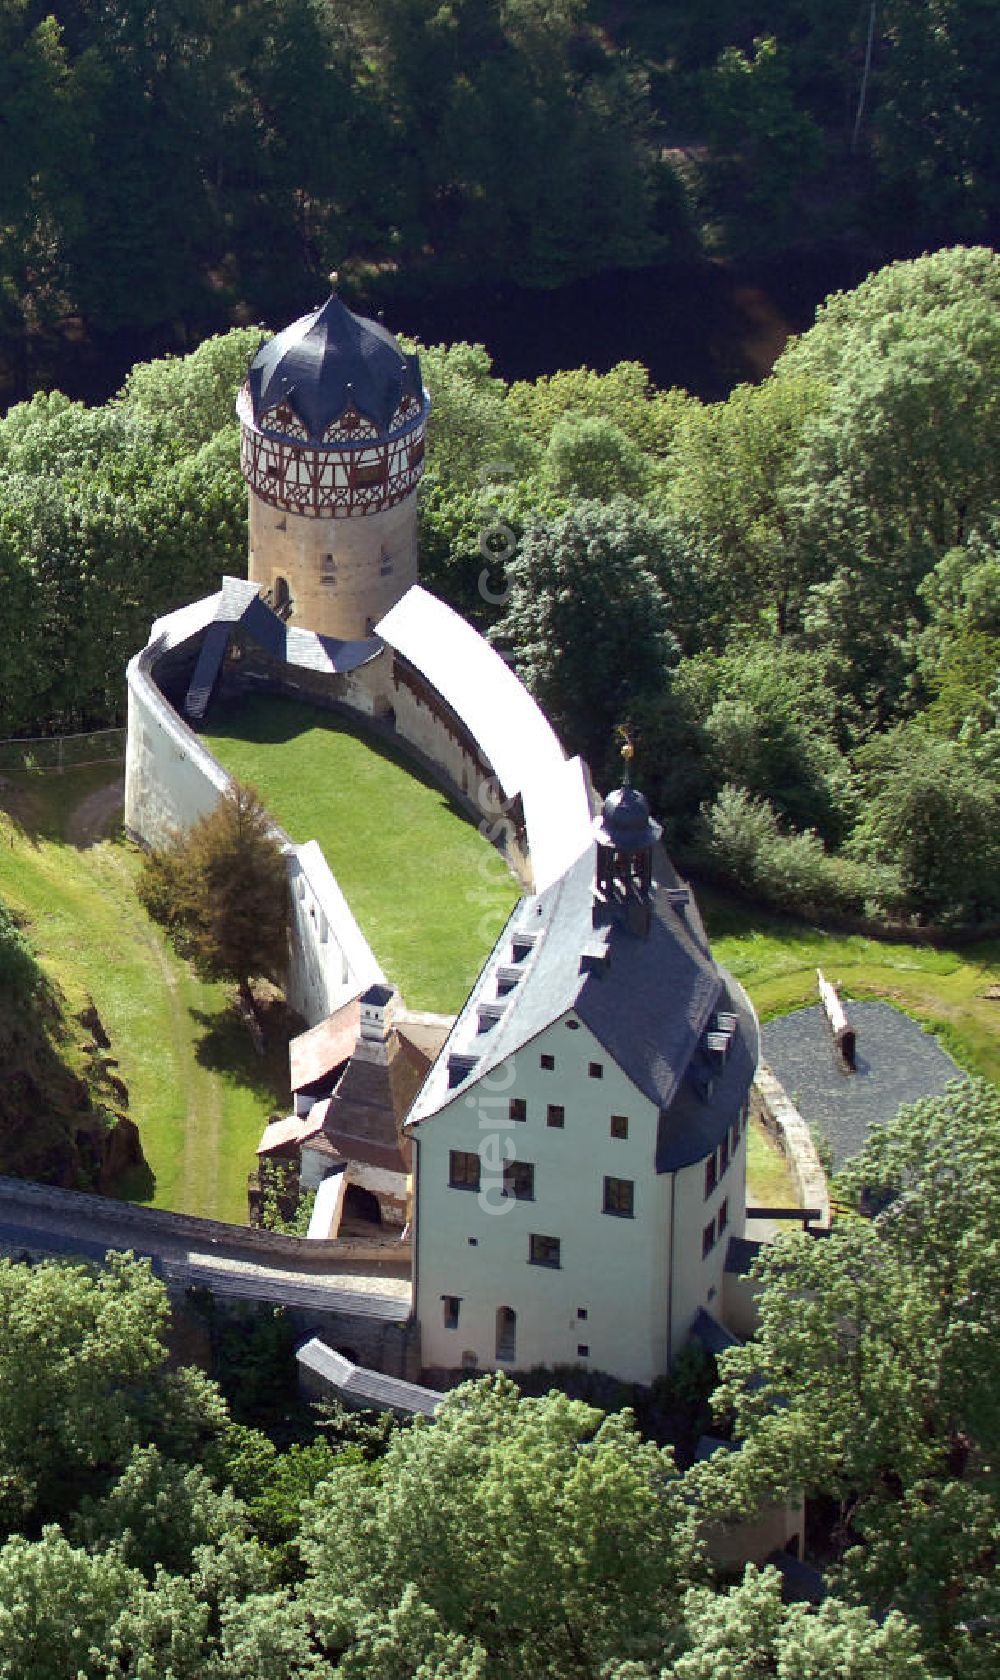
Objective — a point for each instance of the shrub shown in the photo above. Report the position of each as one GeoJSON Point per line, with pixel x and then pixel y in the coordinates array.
{"type": "Point", "coordinates": [743, 837]}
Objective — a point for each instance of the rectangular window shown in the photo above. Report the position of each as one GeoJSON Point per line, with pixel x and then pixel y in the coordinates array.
{"type": "Point", "coordinates": [619, 1195]}
{"type": "Point", "coordinates": [708, 1239]}
{"type": "Point", "coordinates": [619, 1125]}
{"type": "Point", "coordinates": [734, 1137]}
{"type": "Point", "coordinates": [583, 1350]}
{"type": "Point", "coordinates": [518, 1109]}
{"type": "Point", "coordinates": [711, 1176]}
{"type": "Point", "coordinates": [723, 1216]}
{"type": "Point", "coordinates": [724, 1156]}
{"type": "Point", "coordinates": [581, 1312]}
{"type": "Point", "coordinates": [370, 473]}
{"type": "Point", "coordinates": [452, 1303]}
{"type": "Point", "coordinates": [547, 1062]}
{"type": "Point", "coordinates": [519, 1180]}
{"type": "Point", "coordinates": [543, 1251]}
{"type": "Point", "coordinates": [596, 1070]}
{"type": "Point", "coordinates": [463, 1170]}
{"type": "Point", "coordinates": [555, 1115]}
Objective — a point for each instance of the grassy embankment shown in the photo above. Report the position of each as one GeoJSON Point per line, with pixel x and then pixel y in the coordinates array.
{"type": "Point", "coordinates": [197, 1091]}
{"type": "Point", "coordinates": [430, 894]}
{"type": "Point", "coordinates": [776, 960]}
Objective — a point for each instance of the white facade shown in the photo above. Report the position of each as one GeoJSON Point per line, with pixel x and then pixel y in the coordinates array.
{"type": "Point", "coordinates": [625, 1291]}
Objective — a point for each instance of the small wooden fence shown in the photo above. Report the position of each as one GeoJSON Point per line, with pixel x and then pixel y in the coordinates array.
{"type": "Point", "coordinates": [46, 754]}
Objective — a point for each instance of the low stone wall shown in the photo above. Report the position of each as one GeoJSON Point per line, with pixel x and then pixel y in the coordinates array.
{"type": "Point", "coordinates": [770, 1104]}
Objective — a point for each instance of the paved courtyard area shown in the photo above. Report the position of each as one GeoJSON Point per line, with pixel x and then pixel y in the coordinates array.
{"type": "Point", "coordinates": [897, 1062]}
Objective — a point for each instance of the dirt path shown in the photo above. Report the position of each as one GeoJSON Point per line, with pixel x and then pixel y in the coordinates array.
{"type": "Point", "coordinates": [200, 1091]}
{"type": "Point", "coordinates": [91, 818]}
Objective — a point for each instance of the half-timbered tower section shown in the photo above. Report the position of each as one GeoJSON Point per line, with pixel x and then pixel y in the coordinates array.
{"type": "Point", "coordinates": [332, 421]}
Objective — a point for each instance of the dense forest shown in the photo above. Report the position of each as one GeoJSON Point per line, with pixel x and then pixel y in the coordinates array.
{"type": "Point", "coordinates": [171, 169]}
{"type": "Point", "coordinates": [154, 1526]}
{"type": "Point", "coordinates": [790, 598]}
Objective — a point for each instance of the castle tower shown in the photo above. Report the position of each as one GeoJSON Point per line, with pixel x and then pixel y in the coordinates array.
{"type": "Point", "coordinates": [332, 423]}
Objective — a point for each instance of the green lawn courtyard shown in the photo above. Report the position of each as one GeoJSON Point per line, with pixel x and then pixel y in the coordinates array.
{"type": "Point", "coordinates": [429, 892]}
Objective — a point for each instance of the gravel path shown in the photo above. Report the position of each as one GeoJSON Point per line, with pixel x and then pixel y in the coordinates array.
{"type": "Point", "coordinates": [897, 1062]}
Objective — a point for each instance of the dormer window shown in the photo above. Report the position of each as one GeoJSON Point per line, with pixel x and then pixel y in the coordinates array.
{"type": "Point", "coordinates": [522, 945]}
{"type": "Point", "coordinates": [489, 1015]}
{"type": "Point", "coordinates": [717, 1046]}
{"type": "Point", "coordinates": [507, 979]}
{"type": "Point", "coordinates": [459, 1069]}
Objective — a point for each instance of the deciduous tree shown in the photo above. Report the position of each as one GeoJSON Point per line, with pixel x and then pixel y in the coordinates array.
{"type": "Point", "coordinates": [221, 891]}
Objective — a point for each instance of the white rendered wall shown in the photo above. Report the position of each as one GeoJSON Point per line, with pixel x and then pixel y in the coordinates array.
{"type": "Point", "coordinates": [171, 779]}
{"type": "Point", "coordinates": [640, 1280]}
{"type": "Point", "coordinates": [614, 1268]}
{"type": "Point", "coordinates": [373, 563]}
{"type": "Point", "coordinates": [698, 1282]}
{"type": "Point", "coordinates": [331, 960]}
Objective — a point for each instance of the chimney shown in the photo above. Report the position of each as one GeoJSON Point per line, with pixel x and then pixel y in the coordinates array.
{"type": "Point", "coordinates": [378, 1007]}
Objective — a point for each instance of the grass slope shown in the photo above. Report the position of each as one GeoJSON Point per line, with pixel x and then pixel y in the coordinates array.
{"type": "Point", "coordinates": [430, 893]}
{"type": "Point", "coordinates": [197, 1091]}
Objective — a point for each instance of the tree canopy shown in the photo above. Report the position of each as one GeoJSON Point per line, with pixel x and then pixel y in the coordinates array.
{"type": "Point", "coordinates": [872, 1378]}
{"type": "Point", "coordinates": [221, 891]}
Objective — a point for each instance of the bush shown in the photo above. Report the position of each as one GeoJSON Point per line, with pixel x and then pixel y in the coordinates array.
{"type": "Point", "coordinates": [744, 838]}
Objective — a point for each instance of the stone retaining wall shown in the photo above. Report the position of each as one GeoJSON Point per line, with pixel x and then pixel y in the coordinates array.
{"type": "Point", "coordinates": [770, 1104]}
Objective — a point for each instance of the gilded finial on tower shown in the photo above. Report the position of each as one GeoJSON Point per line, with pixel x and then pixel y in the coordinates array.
{"type": "Point", "coordinates": [624, 735]}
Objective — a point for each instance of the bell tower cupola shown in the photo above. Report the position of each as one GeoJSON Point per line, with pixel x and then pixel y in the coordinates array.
{"type": "Point", "coordinates": [332, 422]}
{"type": "Point", "coordinates": [626, 834]}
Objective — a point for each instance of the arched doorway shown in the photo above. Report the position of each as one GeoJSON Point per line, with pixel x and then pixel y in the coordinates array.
{"type": "Point", "coordinates": [506, 1334]}
{"type": "Point", "coordinates": [360, 1207]}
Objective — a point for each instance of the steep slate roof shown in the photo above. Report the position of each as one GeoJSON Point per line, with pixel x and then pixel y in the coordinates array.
{"type": "Point", "coordinates": [648, 1001]}
{"type": "Point", "coordinates": [692, 1126]}
{"type": "Point", "coordinates": [329, 361]}
{"type": "Point", "coordinates": [361, 1386]}
{"type": "Point", "coordinates": [367, 1108]}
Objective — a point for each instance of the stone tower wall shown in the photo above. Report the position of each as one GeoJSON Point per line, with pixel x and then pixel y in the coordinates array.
{"type": "Point", "coordinates": [343, 574]}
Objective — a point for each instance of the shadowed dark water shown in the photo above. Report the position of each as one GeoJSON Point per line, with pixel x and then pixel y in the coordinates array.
{"type": "Point", "coordinates": [705, 327]}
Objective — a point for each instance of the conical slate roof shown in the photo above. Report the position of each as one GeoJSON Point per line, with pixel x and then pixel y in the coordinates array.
{"type": "Point", "coordinates": [331, 361]}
